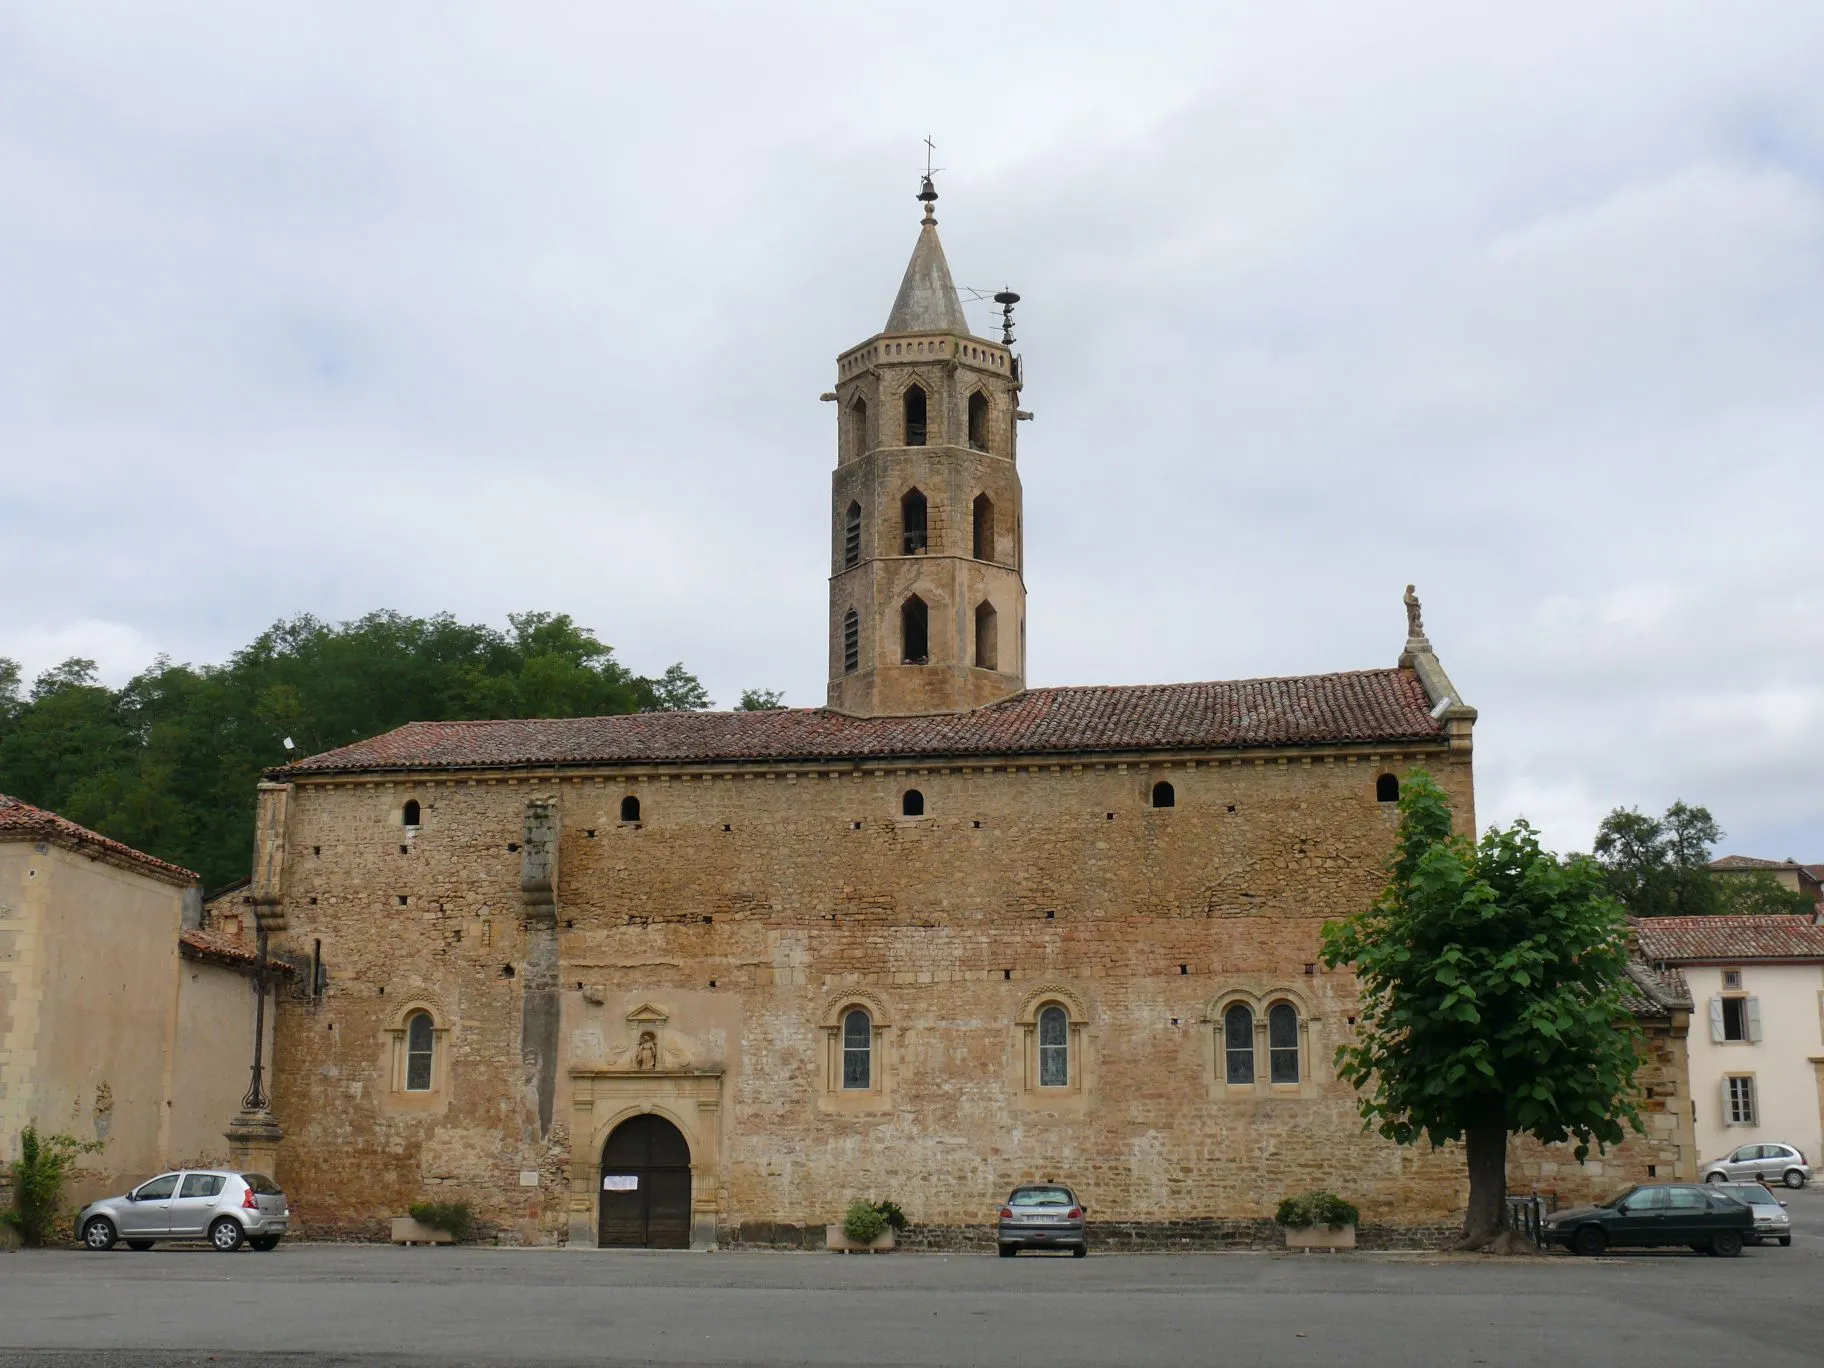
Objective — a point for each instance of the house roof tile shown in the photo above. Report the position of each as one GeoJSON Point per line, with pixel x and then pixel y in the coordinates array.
{"type": "Point", "coordinates": [20, 821]}
{"type": "Point", "coordinates": [1697, 940]}
{"type": "Point", "coordinates": [225, 949]}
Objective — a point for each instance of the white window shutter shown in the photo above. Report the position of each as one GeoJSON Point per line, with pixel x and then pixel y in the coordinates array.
{"type": "Point", "coordinates": [1753, 1011]}
{"type": "Point", "coordinates": [1716, 1020]}
{"type": "Point", "coordinates": [1728, 1114]}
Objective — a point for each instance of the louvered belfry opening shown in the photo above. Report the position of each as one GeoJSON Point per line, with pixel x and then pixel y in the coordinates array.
{"type": "Point", "coordinates": [851, 537]}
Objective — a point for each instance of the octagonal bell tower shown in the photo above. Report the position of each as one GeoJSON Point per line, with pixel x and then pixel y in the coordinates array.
{"type": "Point", "coordinates": [927, 599]}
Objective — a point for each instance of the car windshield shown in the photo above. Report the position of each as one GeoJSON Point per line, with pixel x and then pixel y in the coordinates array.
{"type": "Point", "coordinates": [1752, 1193]}
{"type": "Point", "coordinates": [1618, 1198]}
{"type": "Point", "coordinates": [1049, 1196]}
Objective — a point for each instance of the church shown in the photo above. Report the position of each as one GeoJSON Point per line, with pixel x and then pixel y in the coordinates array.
{"type": "Point", "coordinates": [682, 979]}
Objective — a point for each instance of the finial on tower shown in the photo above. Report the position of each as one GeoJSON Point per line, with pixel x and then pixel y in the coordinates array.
{"type": "Point", "coordinates": [927, 191]}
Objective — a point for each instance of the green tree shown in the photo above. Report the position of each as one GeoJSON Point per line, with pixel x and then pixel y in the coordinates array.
{"type": "Point", "coordinates": [1656, 866]}
{"type": "Point", "coordinates": [677, 690]}
{"type": "Point", "coordinates": [760, 700]}
{"type": "Point", "coordinates": [1491, 977]}
{"type": "Point", "coordinates": [1759, 894]}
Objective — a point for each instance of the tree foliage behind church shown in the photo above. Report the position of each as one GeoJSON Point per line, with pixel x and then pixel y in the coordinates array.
{"type": "Point", "coordinates": [168, 762]}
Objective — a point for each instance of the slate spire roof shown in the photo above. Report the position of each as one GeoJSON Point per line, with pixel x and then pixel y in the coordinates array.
{"type": "Point", "coordinates": [927, 300]}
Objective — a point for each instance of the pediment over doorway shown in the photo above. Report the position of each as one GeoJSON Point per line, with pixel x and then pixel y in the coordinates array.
{"type": "Point", "coordinates": [648, 1016]}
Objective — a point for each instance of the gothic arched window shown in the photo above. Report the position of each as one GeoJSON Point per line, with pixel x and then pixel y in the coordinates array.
{"type": "Point", "coordinates": [1387, 789]}
{"type": "Point", "coordinates": [851, 642]}
{"type": "Point", "coordinates": [986, 650]}
{"type": "Point", "coordinates": [409, 814]}
{"type": "Point", "coordinates": [1238, 1044]}
{"type": "Point", "coordinates": [984, 527]}
{"type": "Point", "coordinates": [1282, 1043]}
{"type": "Point", "coordinates": [915, 632]}
{"type": "Point", "coordinates": [1054, 1047]}
{"type": "Point", "coordinates": [978, 422]}
{"type": "Point", "coordinates": [915, 416]}
{"type": "Point", "coordinates": [1164, 795]}
{"type": "Point", "coordinates": [857, 1050]}
{"type": "Point", "coordinates": [420, 1046]}
{"type": "Point", "coordinates": [912, 521]}
{"type": "Point", "coordinates": [630, 809]}
{"type": "Point", "coordinates": [851, 536]}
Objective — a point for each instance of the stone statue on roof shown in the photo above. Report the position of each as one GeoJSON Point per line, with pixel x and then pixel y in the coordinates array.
{"type": "Point", "coordinates": [1415, 625]}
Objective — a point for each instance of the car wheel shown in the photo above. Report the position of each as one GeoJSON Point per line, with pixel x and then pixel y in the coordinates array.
{"type": "Point", "coordinates": [1080, 1252]}
{"type": "Point", "coordinates": [1725, 1244]}
{"type": "Point", "coordinates": [1785, 1242]}
{"type": "Point", "coordinates": [226, 1234]}
{"type": "Point", "coordinates": [99, 1235]}
{"type": "Point", "coordinates": [1794, 1178]}
{"type": "Point", "coordinates": [263, 1244]}
{"type": "Point", "coordinates": [1589, 1240]}
{"type": "Point", "coordinates": [1008, 1251]}
{"type": "Point", "coordinates": [1716, 1177]}
{"type": "Point", "coordinates": [139, 1246]}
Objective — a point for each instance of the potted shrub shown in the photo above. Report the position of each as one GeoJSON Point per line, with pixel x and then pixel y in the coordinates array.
{"type": "Point", "coordinates": [868, 1225]}
{"type": "Point", "coordinates": [1318, 1220]}
{"type": "Point", "coordinates": [435, 1223]}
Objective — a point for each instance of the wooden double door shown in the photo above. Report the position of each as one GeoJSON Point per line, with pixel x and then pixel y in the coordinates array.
{"type": "Point", "coordinates": [645, 1185]}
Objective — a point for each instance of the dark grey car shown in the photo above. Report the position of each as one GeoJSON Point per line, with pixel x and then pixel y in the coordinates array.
{"type": "Point", "coordinates": [218, 1205]}
{"type": "Point", "coordinates": [1042, 1216]}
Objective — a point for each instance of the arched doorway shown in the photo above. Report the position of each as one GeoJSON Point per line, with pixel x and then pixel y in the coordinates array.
{"type": "Point", "coordinates": [646, 1185]}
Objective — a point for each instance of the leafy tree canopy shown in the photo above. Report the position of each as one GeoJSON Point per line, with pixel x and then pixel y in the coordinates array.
{"type": "Point", "coordinates": [760, 700]}
{"type": "Point", "coordinates": [1491, 977]}
{"type": "Point", "coordinates": [1659, 867]}
{"type": "Point", "coordinates": [169, 761]}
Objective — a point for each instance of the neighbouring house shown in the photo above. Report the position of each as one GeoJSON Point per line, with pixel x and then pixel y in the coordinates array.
{"type": "Point", "coordinates": [122, 1019]}
{"type": "Point", "coordinates": [1789, 874]}
{"type": "Point", "coordinates": [1757, 1048]}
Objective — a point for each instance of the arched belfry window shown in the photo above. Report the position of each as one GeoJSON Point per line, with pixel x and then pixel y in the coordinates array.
{"type": "Point", "coordinates": [1054, 1047]}
{"type": "Point", "coordinates": [1282, 1043]}
{"type": "Point", "coordinates": [984, 527]}
{"type": "Point", "coordinates": [987, 653]}
{"type": "Point", "coordinates": [1164, 795]}
{"type": "Point", "coordinates": [912, 521]}
{"type": "Point", "coordinates": [915, 632]}
{"type": "Point", "coordinates": [851, 537]}
{"type": "Point", "coordinates": [858, 426]}
{"type": "Point", "coordinates": [630, 809]}
{"type": "Point", "coordinates": [1238, 1044]}
{"type": "Point", "coordinates": [912, 804]}
{"type": "Point", "coordinates": [851, 642]}
{"type": "Point", "coordinates": [915, 416]}
{"type": "Point", "coordinates": [857, 1050]}
{"type": "Point", "coordinates": [1387, 789]}
{"type": "Point", "coordinates": [409, 815]}
{"type": "Point", "coordinates": [978, 422]}
{"type": "Point", "coordinates": [420, 1051]}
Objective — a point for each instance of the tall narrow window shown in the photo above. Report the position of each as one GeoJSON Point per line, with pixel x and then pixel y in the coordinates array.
{"type": "Point", "coordinates": [912, 803]}
{"type": "Point", "coordinates": [851, 537]}
{"type": "Point", "coordinates": [857, 1050]}
{"type": "Point", "coordinates": [978, 421]}
{"type": "Point", "coordinates": [409, 814]}
{"type": "Point", "coordinates": [1238, 1044]}
{"type": "Point", "coordinates": [858, 426]}
{"type": "Point", "coordinates": [912, 521]}
{"type": "Point", "coordinates": [1054, 1048]}
{"type": "Point", "coordinates": [1387, 789]}
{"type": "Point", "coordinates": [986, 650]}
{"type": "Point", "coordinates": [1738, 1100]}
{"type": "Point", "coordinates": [419, 1044]}
{"type": "Point", "coordinates": [630, 809]}
{"type": "Point", "coordinates": [984, 527]}
{"type": "Point", "coordinates": [1282, 1042]}
{"type": "Point", "coordinates": [915, 416]}
{"type": "Point", "coordinates": [851, 642]}
{"type": "Point", "coordinates": [915, 632]}
{"type": "Point", "coordinates": [1164, 795]}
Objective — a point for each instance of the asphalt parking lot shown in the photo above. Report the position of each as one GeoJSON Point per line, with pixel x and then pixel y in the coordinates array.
{"type": "Point", "coordinates": [308, 1305]}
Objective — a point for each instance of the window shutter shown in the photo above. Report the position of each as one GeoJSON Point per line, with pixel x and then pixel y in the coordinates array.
{"type": "Point", "coordinates": [1728, 1115]}
{"type": "Point", "coordinates": [1716, 1020]}
{"type": "Point", "coordinates": [1753, 1010]}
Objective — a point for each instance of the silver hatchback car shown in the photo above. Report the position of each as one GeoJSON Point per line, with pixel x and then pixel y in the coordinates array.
{"type": "Point", "coordinates": [1042, 1216]}
{"type": "Point", "coordinates": [217, 1205]}
{"type": "Point", "coordinates": [1767, 1164]}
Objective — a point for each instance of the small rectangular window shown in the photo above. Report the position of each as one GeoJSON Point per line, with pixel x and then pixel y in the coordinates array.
{"type": "Point", "coordinates": [1732, 979]}
{"type": "Point", "coordinates": [1735, 1018]}
{"type": "Point", "coordinates": [1741, 1106]}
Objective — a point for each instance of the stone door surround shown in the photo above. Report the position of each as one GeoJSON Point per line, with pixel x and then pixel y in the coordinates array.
{"type": "Point", "coordinates": [600, 1099]}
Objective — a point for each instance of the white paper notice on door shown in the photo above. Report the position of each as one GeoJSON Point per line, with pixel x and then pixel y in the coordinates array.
{"type": "Point", "coordinates": [621, 1182]}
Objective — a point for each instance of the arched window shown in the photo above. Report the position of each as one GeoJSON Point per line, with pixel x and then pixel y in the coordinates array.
{"type": "Point", "coordinates": [857, 1050]}
{"type": "Point", "coordinates": [912, 804]}
{"type": "Point", "coordinates": [851, 537]}
{"type": "Point", "coordinates": [420, 1043]}
{"type": "Point", "coordinates": [978, 421]}
{"type": "Point", "coordinates": [1238, 1044]}
{"type": "Point", "coordinates": [851, 642]}
{"type": "Point", "coordinates": [1282, 1042]}
{"type": "Point", "coordinates": [1164, 795]}
{"type": "Point", "coordinates": [915, 632]}
{"type": "Point", "coordinates": [915, 416]}
{"type": "Point", "coordinates": [630, 809]}
{"type": "Point", "coordinates": [912, 522]}
{"type": "Point", "coordinates": [1387, 789]}
{"type": "Point", "coordinates": [987, 653]}
{"type": "Point", "coordinates": [408, 815]}
{"type": "Point", "coordinates": [858, 426]}
{"type": "Point", "coordinates": [984, 527]}
{"type": "Point", "coordinates": [1054, 1047]}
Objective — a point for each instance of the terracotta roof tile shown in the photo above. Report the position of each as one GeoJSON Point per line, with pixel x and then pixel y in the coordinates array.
{"type": "Point", "coordinates": [22, 822]}
{"type": "Point", "coordinates": [1750, 862]}
{"type": "Point", "coordinates": [1365, 706]}
{"type": "Point", "coordinates": [225, 949]}
{"type": "Point", "coordinates": [1652, 992]}
{"type": "Point", "coordinates": [1729, 939]}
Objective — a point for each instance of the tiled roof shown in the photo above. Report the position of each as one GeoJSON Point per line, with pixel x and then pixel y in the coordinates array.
{"type": "Point", "coordinates": [1730, 939]}
{"type": "Point", "coordinates": [1654, 992]}
{"type": "Point", "coordinates": [1371, 706]}
{"type": "Point", "coordinates": [223, 949]}
{"type": "Point", "coordinates": [23, 822]}
{"type": "Point", "coordinates": [1729, 862]}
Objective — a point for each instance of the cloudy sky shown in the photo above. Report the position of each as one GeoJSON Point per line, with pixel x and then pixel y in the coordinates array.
{"type": "Point", "coordinates": [486, 307]}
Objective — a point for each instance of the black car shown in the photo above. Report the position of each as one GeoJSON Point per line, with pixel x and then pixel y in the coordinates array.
{"type": "Point", "coordinates": [1656, 1214]}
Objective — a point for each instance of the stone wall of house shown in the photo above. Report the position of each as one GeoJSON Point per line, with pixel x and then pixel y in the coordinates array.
{"type": "Point", "coordinates": [707, 953]}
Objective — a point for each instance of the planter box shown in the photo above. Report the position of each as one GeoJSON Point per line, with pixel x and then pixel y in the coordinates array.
{"type": "Point", "coordinates": [1321, 1237]}
{"type": "Point", "coordinates": [406, 1231]}
{"type": "Point", "coordinates": [835, 1239]}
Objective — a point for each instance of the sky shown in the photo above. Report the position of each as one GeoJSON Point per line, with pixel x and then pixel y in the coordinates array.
{"type": "Point", "coordinates": [339, 306]}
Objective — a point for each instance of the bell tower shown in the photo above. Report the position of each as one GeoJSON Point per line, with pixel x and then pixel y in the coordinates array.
{"type": "Point", "coordinates": [927, 599]}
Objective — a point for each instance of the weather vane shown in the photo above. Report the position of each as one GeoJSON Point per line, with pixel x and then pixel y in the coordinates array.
{"type": "Point", "coordinates": [930, 147]}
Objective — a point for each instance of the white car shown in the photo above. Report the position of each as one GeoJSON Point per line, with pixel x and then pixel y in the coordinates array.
{"type": "Point", "coordinates": [217, 1205]}
{"type": "Point", "coordinates": [1767, 1164]}
{"type": "Point", "coordinates": [1771, 1223]}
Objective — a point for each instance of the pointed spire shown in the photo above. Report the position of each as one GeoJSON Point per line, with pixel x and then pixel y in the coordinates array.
{"type": "Point", "coordinates": [927, 300]}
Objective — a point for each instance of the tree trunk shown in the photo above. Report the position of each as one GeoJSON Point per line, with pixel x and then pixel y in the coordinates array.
{"type": "Point", "coordinates": [1487, 1215]}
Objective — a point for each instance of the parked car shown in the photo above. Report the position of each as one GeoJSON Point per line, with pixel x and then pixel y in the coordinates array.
{"type": "Point", "coordinates": [1768, 1164]}
{"type": "Point", "coordinates": [216, 1205]}
{"type": "Point", "coordinates": [1656, 1214]}
{"type": "Point", "coordinates": [1771, 1223]}
{"type": "Point", "coordinates": [1042, 1216]}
